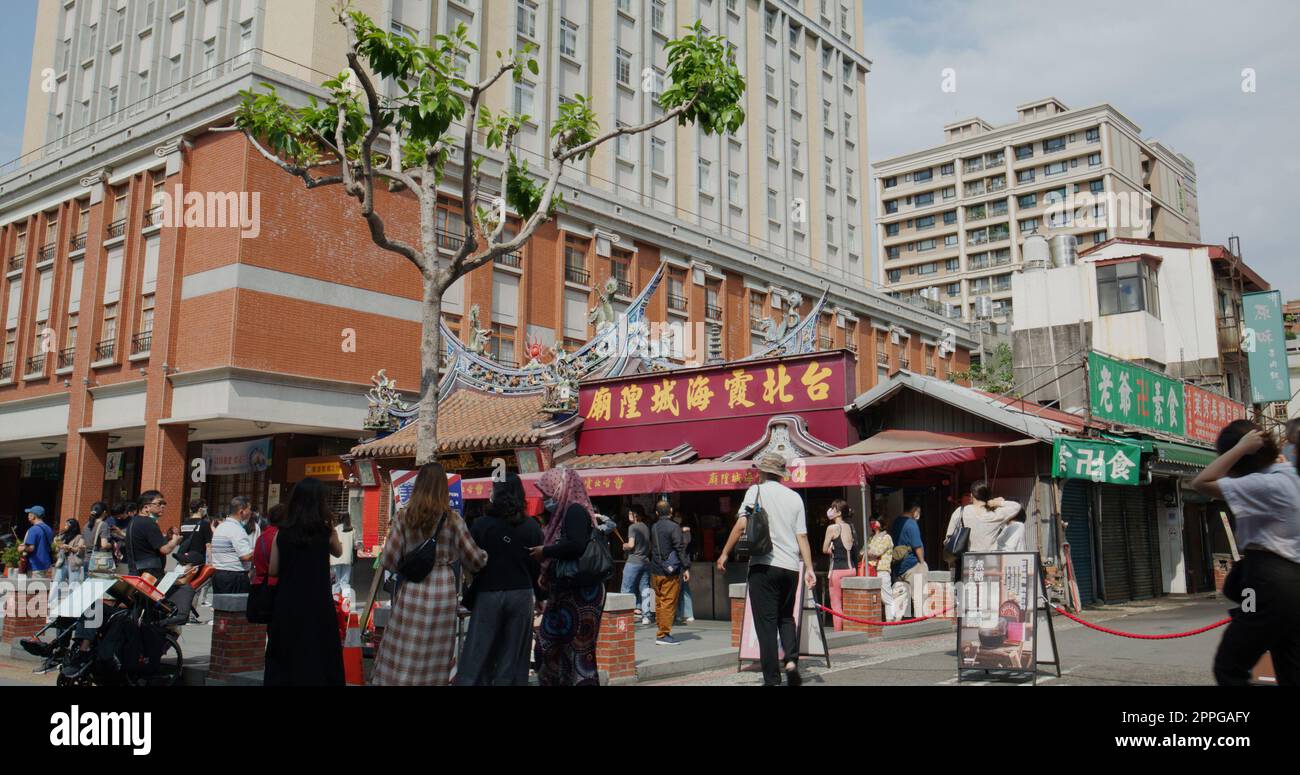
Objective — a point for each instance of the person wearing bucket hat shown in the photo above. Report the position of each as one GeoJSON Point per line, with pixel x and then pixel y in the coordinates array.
{"type": "Point", "coordinates": [774, 577]}
{"type": "Point", "coordinates": [37, 542]}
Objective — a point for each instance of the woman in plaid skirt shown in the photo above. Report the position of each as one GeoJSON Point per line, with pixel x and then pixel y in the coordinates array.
{"type": "Point", "coordinates": [566, 641]}
{"type": "Point", "coordinates": [420, 639]}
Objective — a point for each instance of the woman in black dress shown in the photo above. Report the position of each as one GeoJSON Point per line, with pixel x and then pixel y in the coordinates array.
{"type": "Point", "coordinates": [303, 647]}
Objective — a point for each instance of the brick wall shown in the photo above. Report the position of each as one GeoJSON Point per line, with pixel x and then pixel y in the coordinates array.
{"type": "Point", "coordinates": [1222, 567]}
{"type": "Point", "coordinates": [616, 644]}
{"type": "Point", "coordinates": [861, 600]}
{"type": "Point", "coordinates": [238, 646]}
{"type": "Point", "coordinates": [25, 610]}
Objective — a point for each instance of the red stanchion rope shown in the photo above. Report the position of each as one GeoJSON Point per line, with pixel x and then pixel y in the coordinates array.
{"type": "Point", "coordinates": [1137, 635]}
{"type": "Point", "coordinates": [846, 617]}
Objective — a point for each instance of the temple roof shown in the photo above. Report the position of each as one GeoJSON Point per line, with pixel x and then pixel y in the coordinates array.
{"type": "Point", "coordinates": [474, 421]}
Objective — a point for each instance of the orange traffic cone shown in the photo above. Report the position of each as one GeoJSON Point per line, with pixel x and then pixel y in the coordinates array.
{"type": "Point", "coordinates": [353, 673]}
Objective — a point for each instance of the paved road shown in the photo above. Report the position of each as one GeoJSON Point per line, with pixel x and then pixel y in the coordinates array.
{"type": "Point", "coordinates": [1088, 657]}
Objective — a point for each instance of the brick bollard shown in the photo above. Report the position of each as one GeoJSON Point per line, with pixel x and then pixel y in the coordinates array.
{"type": "Point", "coordinates": [25, 609]}
{"type": "Point", "coordinates": [737, 594]}
{"type": "Point", "coordinates": [939, 595]}
{"type": "Point", "coordinates": [861, 599]}
{"type": "Point", "coordinates": [1222, 566]}
{"type": "Point", "coordinates": [616, 644]}
{"type": "Point", "coordinates": [238, 646]}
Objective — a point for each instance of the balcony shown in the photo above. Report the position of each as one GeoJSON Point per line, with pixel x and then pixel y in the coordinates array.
{"type": "Point", "coordinates": [825, 343]}
{"type": "Point", "coordinates": [105, 350]}
{"type": "Point", "coordinates": [449, 241]}
{"type": "Point", "coordinates": [77, 243]}
{"type": "Point", "coordinates": [117, 228]}
{"type": "Point", "coordinates": [6, 371]}
{"type": "Point", "coordinates": [513, 260]}
{"type": "Point", "coordinates": [904, 363]}
{"type": "Point", "coordinates": [676, 302]}
{"type": "Point", "coordinates": [852, 346]}
{"type": "Point", "coordinates": [66, 357]}
{"type": "Point", "coordinates": [756, 323]}
{"type": "Point", "coordinates": [46, 253]}
{"type": "Point", "coordinates": [153, 218]}
{"type": "Point", "coordinates": [930, 372]}
{"type": "Point", "coordinates": [1229, 334]}
{"type": "Point", "coordinates": [16, 263]}
{"type": "Point", "coordinates": [35, 366]}
{"type": "Point", "coordinates": [575, 275]}
{"type": "Point", "coordinates": [882, 358]}
{"type": "Point", "coordinates": [624, 287]}
{"type": "Point", "coordinates": [142, 343]}
{"type": "Point", "coordinates": [712, 313]}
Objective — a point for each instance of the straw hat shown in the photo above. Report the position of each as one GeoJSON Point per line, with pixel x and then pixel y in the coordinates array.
{"type": "Point", "coordinates": [771, 464]}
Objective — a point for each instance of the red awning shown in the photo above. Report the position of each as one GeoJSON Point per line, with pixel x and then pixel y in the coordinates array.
{"type": "Point", "coordinates": [838, 471]}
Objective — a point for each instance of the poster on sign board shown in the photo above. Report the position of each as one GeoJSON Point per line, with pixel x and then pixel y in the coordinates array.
{"type": "Point", "coordinates": [998, 613]}
{"type": "Point", "coordinates": [240, 457]}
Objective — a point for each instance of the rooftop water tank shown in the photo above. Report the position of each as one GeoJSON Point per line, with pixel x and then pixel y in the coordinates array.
{"type": "Point", "coordinates": [1037, 253]}
{"type": "Point", "coordinates": [1065, 250]}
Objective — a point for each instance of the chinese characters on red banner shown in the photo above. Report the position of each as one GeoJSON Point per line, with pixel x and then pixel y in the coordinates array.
{"type": "Point", "coordinates": [1208, 412]}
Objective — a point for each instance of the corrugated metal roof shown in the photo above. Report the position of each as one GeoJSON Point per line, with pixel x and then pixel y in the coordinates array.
{"type": "Point", "coordinates": [1033, 421]}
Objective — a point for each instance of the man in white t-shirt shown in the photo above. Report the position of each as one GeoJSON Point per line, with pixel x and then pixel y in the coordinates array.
{"type": "Point", "coordinates": [232, 550]}
{"type": "Point", "coordinates": [774, 577]}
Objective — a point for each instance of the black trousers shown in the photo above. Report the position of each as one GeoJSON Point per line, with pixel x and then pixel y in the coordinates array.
{"type": "Point", "coordinates": [230, 582]}
{"type": "Point", "coordinates": [771, 597]}
{"type": "Point", "coordinates": [1273, 625]}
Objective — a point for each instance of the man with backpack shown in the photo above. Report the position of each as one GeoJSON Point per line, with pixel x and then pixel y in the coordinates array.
{"type": "Point", "coordinates": [667, 570]}
{"type": "Point", "coordinates": [779, 541]}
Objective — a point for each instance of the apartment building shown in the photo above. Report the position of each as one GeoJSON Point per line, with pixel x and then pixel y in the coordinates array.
{"type": "Point", "coordinates": [951, 220]}
{"type": "Point", "coordinates": [135, 343]}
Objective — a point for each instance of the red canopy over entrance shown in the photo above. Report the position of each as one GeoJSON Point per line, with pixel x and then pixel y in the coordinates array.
{"type": "Point", "coordinates": [837, 471]}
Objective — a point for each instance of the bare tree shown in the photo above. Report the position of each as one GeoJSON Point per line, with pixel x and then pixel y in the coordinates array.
{"type": "Point", "coordinates": [359, 137]}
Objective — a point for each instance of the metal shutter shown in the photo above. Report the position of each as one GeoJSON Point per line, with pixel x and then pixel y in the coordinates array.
{"type": "Point", "coordinates": [1139, 516]}
{"type": "Point", "coordinates": [1116, 561]}
{"type": "Point", "coordinates": [1076, 501]}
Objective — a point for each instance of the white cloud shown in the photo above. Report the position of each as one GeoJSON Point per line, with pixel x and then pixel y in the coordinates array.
{"type": "Point", "coordinates": [1173, 68]}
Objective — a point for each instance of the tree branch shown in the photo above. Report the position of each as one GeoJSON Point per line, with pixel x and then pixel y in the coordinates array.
{"type": "Point", "coordinates": [576, 151]}
{"type": "Point", "coordinates": [298, 171]}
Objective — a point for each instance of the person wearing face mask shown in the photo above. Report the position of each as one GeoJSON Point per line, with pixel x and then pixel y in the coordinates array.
{"type": "Point", "coordinates": [146, 548]}
{"type": "Point", "coordinates": [838, 545]}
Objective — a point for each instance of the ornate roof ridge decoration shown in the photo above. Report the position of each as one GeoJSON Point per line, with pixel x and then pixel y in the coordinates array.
{"type": "Point", "coordinates": [602, 356]}
{"type": "Point", "coordinates": [786, 435]}
{"type": "Point", "coordinates": [792, 336]}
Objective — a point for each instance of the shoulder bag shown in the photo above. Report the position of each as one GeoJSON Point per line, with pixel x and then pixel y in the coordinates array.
{"type": "Point", "coordinates": [102, 561]}
{"type": "Point", "coordinates": [758, 532]}
{"type": "Point", "coordinates": [594, 566]}
{"type": "Point", "coordinates": [418, 563]}
{"type": "Point", "coordinates": [958, 543]}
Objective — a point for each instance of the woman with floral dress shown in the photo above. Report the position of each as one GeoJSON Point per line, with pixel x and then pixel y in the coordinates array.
{"type": "Point", "coordinates": [420, 640]}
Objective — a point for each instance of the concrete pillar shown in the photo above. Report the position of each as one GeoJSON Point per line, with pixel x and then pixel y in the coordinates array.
{"type": "Point", "coordinates": [616, 646]}
{"type": "Point", "coordinates": [83, 473]}
{"type": "Point", "coordinates": [861, 600]}
{"type": "Point", "coordinates": [238, 646]}
{"type": "Point", "coordinates": [165, 469]}
{"type": "Point", "coordinates": [939, 596]}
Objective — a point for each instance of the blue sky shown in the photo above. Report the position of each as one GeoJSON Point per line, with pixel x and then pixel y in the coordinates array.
{"type": "Point", "coordinates": [1174, 68]}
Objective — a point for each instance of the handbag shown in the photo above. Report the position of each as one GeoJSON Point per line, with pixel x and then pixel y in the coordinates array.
{"type": "Point", "coordinates": [594, 566]}
{"type": "Point", "coordinates": [418, 564]}
{"type": "Point", "coordinates": [102, 561]}
{"type": "Point", "coordinates": [758, 533]}
{"type": "Point", "coordinates": [261, 602]}
{"type": "Point", "coordinates": [958, 543]}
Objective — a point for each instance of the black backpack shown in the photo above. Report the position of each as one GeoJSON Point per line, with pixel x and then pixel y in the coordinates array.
{"type": "Point", "coordinates": [758, 533]}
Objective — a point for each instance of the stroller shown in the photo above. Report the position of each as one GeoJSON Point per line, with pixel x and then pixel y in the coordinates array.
{"type": "Point", "coordinates": [137, 642]}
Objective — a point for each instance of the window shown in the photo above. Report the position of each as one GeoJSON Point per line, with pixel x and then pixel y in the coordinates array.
{"type": "Point", "coordinates": [924, 199]}
{"type": "Point", "coordinates": [658, 12]}
{"type": "Point", "coordinates": [1055, 168]}
{"type": "Point", "coordinates": [930, 268]}
{"type": "Point", "coordinates": [926, 245]}
{"type": "Point", "coordinates": [625, 6]}
{"type": "Point", "coordinates": [949, 218]}
{"type": "Point", "coordinates": [524, 98]}
{"type": "Point", "coordinates": [828, 171]}
{"type": "Point", "coordinates": [950, 241]}
{"type": "Point", "coordinates": [895, 275]}
{"type": "Point", "coordinates": [892, 252]}
{"type": "Point", "coordinates": [1127, 287]}
{"type": "Point", "coordinates": [891, 181]}
{"type": "Point", "coordinates": [1055, 195]}
{"type": "Point", "coordinates": [925, 223]}
{"type": "Point", "coordinates": [1027, 200]}
{"type": "Point", "coordinates": [950, 192]}
{"type": "Point", "coordinates": [826, 114]}
{"type": "Point", "coordinates": [526, 19]}
{"type": "Point", "coordinates": [771, 204]}
{"type": "Point", "coordinates": [1054, 145]}
{"type": "Point", "coordinates": [1028, 224]}
{"type": "Point", "coordinates": [891, 206]}
{"type": "Point", "coordinates": [568, 38]}
{"type": "Point", "coordinates": [1093, 135]}
{"type": "Point", "coordinates": [794, 95]}
{"type": "Point", "coordinates": [733, 188]}
{"type": "Point", "coordinates": [848, 128]}
{"type": "Point", "coordinates": [952, 265]}
{"type": "Point", "coordinates": [658, 154]}
{"type": "Point", "coordinates": [1095, 186]}
{"type": "Point", "coordinates": [1025, 176]}
{"type": "Point", "coordinates": [794, 155]}
{"type": "Point", "coordinates": [1094, 160]}
{"type": "Point", "coordinates": [946, 169]}
{"type": "Point", "coordinates": [1025, 151]}
{"type": "Point", "coordinates": [771, 82]}
{"type": "Point", "coordinates": [704, 173]}
{"type": "Point", "coordinates": [848, 181]}
{"type": "Point", "coordinates": [623, 67]}
{"type": "Point", "coordinates": [921, 176]}
{"type": "Point", "coordinates": [830, 229]}
{"type": "Point", "coordinates": [891, 230]}
{"type": "Point", "coordinates": [769, 22]}
{"type": "Point", "coordinates": [794, 36]}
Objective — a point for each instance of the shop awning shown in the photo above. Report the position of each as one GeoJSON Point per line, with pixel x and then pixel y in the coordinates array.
{"type": "Point", "coordinates": [1182, 454]}
{"type": "Point", "coordinates": [918, 441]}
{"type": "Point", "coordinates": [838, 471]}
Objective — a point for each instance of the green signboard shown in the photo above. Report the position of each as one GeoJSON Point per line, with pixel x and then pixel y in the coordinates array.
{"type": "Point", "coordinates": [1125, 393]}
{"type": "Point", "coordinates": [1096, 461]}
{"type": "Point", "coordinates": [1264, 341]}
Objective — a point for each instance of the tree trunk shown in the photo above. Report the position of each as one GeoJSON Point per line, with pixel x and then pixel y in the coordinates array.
{"type": "Point", "coordinates": [426, 444]}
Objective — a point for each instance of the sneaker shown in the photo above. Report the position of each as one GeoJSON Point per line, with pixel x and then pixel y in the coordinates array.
{"type": "Point", "coordinates": [646, 620]}
{"type": "Point", "coordinates": [792, 677]}
{"type": "Point", "coordinates": [667, 640]}
{"type": "Point", "coordinates": [690, 619]}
